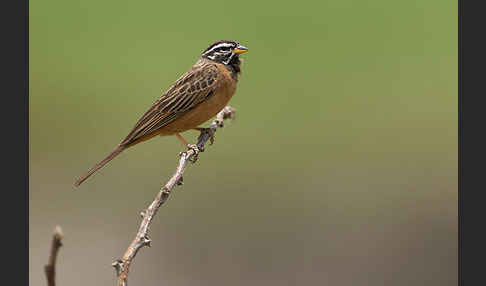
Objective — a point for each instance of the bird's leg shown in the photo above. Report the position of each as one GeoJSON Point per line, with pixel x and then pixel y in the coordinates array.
{"type": "Point", "coordinates": [190, 147]}
{"type": "Point", "coordinates": [182, 139]}
{"type": "Point", "coordinates": [203, 131]}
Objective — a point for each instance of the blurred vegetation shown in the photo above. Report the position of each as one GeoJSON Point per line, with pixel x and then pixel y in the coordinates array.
{"type": "Point", "coordinates": [340, 169]}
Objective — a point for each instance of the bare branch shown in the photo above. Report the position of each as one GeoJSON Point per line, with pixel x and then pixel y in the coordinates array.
{"type": "Point", "coordinates": [50, 267]}
{"type": "Point", "coordinates": [122, 265]}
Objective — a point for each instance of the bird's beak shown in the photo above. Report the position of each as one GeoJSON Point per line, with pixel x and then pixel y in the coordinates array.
{"type": "Point", "coordinates": [240, 50]}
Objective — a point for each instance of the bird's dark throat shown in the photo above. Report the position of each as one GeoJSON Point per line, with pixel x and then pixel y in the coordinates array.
{"type": "Point", "coordinates": [234, 65]}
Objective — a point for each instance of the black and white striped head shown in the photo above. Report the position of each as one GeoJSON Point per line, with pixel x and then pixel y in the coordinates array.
{"type": "Point", "coordinates": [224, 52]}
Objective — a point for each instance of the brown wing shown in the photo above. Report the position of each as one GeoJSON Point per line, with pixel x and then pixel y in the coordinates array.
{"type": "Point", "coordinates": [194, 87]}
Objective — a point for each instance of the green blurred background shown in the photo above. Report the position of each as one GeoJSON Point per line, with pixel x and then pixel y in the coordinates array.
{"type": "Point", "coordinates": [340, 169]}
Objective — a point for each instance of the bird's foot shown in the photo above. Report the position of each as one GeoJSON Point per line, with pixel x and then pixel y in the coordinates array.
{"type": "Point", "coordinates": [210, 132]}
{"type": "Point", "coordinates": [196, 151]}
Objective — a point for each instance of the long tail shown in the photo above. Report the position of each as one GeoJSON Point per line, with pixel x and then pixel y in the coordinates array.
{"type": "Point", "coordinates": [98, 166]}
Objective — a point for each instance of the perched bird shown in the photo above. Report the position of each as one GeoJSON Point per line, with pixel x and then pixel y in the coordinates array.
{"type": "Point", "coordinates": [198, 95]}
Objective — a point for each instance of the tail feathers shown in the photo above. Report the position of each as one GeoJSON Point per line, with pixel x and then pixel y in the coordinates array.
{"type": "Point", "coordinates": [98, 166]}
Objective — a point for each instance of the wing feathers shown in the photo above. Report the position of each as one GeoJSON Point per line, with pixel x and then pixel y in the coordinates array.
{"type": "Point", "coordinates": [194, 87]}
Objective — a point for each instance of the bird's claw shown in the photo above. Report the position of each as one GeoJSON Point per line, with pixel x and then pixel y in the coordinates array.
{"type": "Point", "coordinates": [208, 131]}
{"type": "Point", "coordinates": [196, 150]}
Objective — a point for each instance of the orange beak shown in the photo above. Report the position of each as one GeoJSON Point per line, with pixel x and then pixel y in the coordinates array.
{"type": "Point", "coordinates": [240, 50]}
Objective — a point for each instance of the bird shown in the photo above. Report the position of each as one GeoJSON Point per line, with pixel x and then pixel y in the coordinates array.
{"type": "Point", "coordinates": [197, 96]}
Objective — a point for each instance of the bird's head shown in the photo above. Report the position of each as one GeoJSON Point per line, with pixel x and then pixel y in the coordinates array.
{"type": "Point", "coordinates": [225, 52]}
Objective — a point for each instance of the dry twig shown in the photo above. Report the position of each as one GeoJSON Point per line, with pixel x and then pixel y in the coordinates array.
{"type": "Point", "coordinates": [50, 267]}
{"type": "Point", "coordinates": [122, 265]}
